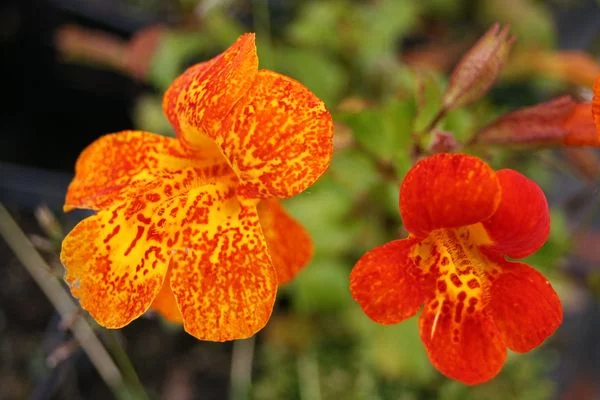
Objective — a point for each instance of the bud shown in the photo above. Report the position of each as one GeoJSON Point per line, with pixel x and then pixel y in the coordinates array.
{"type": "Point", "coordinates": [442, 142]}
{"type": "Point", "coordinates": [479, 68]}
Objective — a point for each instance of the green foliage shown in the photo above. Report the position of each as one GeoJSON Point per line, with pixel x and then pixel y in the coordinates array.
{"type": "Point", "coordinates": [385, 132]}
{"type": "Point", "coordinates": [315, 69]}
{"type": "Point", "coordinates": [351, 50]}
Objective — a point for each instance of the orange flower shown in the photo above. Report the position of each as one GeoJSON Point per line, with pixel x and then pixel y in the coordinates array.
{"type": "Point", "coordinates": [192, 226]}
{"type": "Point", "coordinates": [464, 219]}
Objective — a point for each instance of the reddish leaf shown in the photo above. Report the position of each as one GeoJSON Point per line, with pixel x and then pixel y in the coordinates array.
{"type": "Point", "coordinates": [541, 123]}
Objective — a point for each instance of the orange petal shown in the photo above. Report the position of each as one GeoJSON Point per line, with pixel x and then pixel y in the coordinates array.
{"type": "Point", "coordinates": [165, 302]}
{"type": "Point", "coordinates": [471, 351]}
{"type": "Point", "coordinates": [448, 190]}
{"type": "Point", "coordinates": [197, 102]}
{"type": "Point", "coordinates": [580, 127]}
{"type": "Point", "coordinates": [117, 259]}
{"type": "Point", "coordinates": [385, 283]}
{"type": "Point", "coordinates": [521, 224]}
{"type": "Point", "coordinates": [524, 306]}
{"type": "Point", "coordinates": [222, 276]}
{"type": "Point", "coordinates": [278, 138]}
{"type": "Point", "coordinates": [290, 246]}
{"type": "Point", "coordinates": [117, 166]}
{"type": "Point", "coordinates": [596, 103]}
{"type": "Point", "coordinates": [116, 262]}
{"type": "Point", "coordinates": [182, 82]}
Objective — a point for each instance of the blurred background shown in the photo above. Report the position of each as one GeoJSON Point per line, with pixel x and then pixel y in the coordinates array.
{"type": "Point", "coordinates": [73, 70]}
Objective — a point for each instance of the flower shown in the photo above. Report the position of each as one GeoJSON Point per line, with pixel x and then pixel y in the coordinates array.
{"type": "Point", "coordinates": [464, 219]}
{"type": "Point", "coordinates": [192, 226]}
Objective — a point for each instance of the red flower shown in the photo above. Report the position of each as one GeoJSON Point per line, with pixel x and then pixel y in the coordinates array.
{"type": "Point", "coordinates": [464, 219]}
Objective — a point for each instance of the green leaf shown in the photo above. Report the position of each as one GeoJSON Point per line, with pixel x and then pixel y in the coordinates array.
{"type": "Point", "coordinates": [385, 131]}
{"type": "Point", "coordinates": [354, 171]}
{"type": "Point", "coordinates": [395, 351]}
{"type": "Point", "coordinates": [321, 287]}
{"type": "Point", "coordinates": [316, 70]}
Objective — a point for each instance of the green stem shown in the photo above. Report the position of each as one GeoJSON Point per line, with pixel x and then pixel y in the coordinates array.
{"type": "Point", "coordinates": [241, 369]}
{"type": "Point", "coordinates": [131, 377]}
{"type": "Point", "coordinates": [62, 302]}
{"type": "Point", "coordinates": [308, 376]}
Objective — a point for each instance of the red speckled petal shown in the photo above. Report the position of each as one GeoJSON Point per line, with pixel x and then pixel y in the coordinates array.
{"type": "Point", "coordinates": [115, 264]}
{"type": "Point", "coordinates": [289, 244]}
{"type": "Point", "coordinates": [117, 259]}
{"type": "Point", "coordinates": [165, 302]}
{"type": "Point", "coordinates": [222, 276]}
{"type": "Point", "coordinates": [446, 191]}
{"type": "Point", "coordinates": [385, 284]}
{"type": "Point", "coordinates": [278, 138]}
{"type": "Point", "coordinates": [524, 306]}
{"type": "Point", "coordinates": [197, 102]}
{"type": "Point", "coordinates": [182, 82]}
{"type": "Point", "coordinates": [471, 352]}
{"type": "Point", "coordinates": [521, 224]}
{"type": "Point", "coordinates": [117, 166]}
{"type": "Point", "coordinates": [580, 127]}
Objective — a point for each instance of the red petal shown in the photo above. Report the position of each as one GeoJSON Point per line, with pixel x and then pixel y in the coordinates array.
{"type": "Point", "coordinates": [447, 191]}
{"type": "Point", "coordinates": [580, 127]}
{"type": "Point", "coordinates": [471, 351]}
{"type": "Point", "coordinates": [289, 244]}
{"type": "Point", "coordinates": [521, 224]}
{"type": "Point", "coordinates": [385, 284]}
{"type": "Point", "coordinates": [596, 103]}
{"type": "Point", "coordinates": [524, 306]}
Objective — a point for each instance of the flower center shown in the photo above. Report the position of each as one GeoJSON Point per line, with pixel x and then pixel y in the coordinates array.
{"type": "Point", "coordinates": [452, 260]}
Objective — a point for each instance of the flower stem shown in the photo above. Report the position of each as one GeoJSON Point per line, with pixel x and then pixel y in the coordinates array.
{"type": "Point", "coordinates": [64, 305]}
{"type": "Point", "coordinates": [241, 369]}
{"type": "Point", "coordinates": [308, 376]}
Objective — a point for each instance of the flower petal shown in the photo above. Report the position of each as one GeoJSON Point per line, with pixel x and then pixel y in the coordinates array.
{"type": "Point", "coordinates": [278, 138]}
{"type": "Point", "coordinates": [117, 166]}
{"type": "Point", "coordinates": [521, 224]}
{"type": "Point", "coordinates": [446, 191]}
{"type": "Point", "coordinates": [580, 127]}
{"type": "Point", "coordinates": [471, 351]}
{"type": "Point", "coordinates": [385, 284]}
{"type": "Point", "coordinates": [524, 306]}
{"type": "Point", "coordinates": [289, 244]}
{"type": "Point", "coordinates": [181, 83]}
{"type": "Point", "coordinates": [596, 103]}
{"type": "Point", "coordinates": [115, 263]}
{"type": "Point", "coordinates": [165, 302]}
{"type": "Point", "coordinates": [197, 101]}
{"type": "Point", "coordinates": [116, 260]}
{"type": "Point", "coordinates": [222, 276]}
